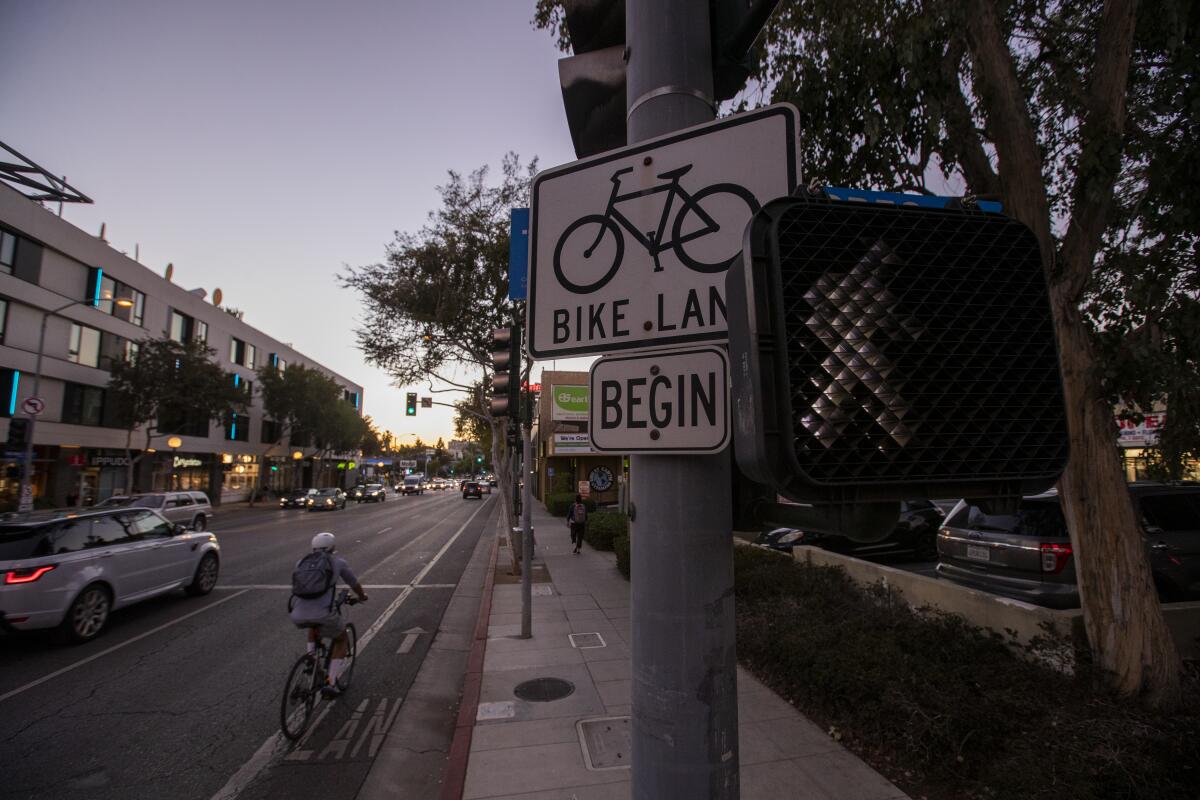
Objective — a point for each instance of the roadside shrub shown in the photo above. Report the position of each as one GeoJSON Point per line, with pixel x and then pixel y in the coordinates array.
{"type": "Point", "coordinates": [945, 709]}
{"type": "Point", "coordinates": [621, 548]}
{"type": "Point", "coordinates": [557, 504]}
{"type": "Point", "coordinates": [603, 527]}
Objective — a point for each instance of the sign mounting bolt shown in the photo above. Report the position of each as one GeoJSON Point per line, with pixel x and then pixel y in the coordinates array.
{"type": "Point", "coordinates": [648, 325]}
{"type": "Point", "coordinates": [647, 161]}
{"type": "Point", "coordinates": [654, 434]}
{"type": "Point", "coordinates": [654, 370]}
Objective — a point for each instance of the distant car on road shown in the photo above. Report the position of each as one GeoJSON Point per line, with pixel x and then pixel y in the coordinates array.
{"type": "Point", "coordinates": [295, 499]}
{"type": "Point", "coordinates": [326, 500]}
{"type": "Point", "coordinates": [191, 509]}
{"type": "Point", "coordinates": [915, 534]}
{"type": "Point", "coordinates": [413, 484]}
{"type": "Point", "coordinates": [373, 493]}
{"type": "Point", "coordinates": [1028, 554]}
{"type": "Point", "coordinates": [472, 489]}
{"type": "Point", "coordinates": [71, 570]}
{"type": "Point", "coordinates": [356, 492]}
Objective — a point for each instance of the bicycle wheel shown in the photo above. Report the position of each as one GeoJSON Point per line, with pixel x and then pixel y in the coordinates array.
{"type": "Point", "coordinates": [713, 227]}
{"type": "Point", "coordinates": [347, 673]}
{"type": "Point", "coordinates": [299, 697]}
{"type": "Point", "coordinates": [587, 254]}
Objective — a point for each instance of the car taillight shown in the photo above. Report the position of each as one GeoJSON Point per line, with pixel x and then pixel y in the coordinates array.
{"type": "Point", "coordinates": [1055, 557]}
{"type": "Point", "coordinates": [26, 575]}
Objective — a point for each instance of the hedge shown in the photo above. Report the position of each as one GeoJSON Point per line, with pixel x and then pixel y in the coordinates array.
{"type": "Point", "coordinates": [621, 548]}
{"type": "Point", "coordinates": [603, 527]}
{"type": "Point", "coordinates": [557, 504]}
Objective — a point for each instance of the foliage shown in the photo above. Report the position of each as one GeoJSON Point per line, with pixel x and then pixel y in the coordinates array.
{"type": "Point", "coordinates": [559, 504]}
{"type": "Point", "coordinates": [945, 709]}
{"type": "Point", "coordinates": [621, 548]}
{"type": "Point", "coordinates": [603, 527]}
{"type": "Point", "coordinates": [298, 398]}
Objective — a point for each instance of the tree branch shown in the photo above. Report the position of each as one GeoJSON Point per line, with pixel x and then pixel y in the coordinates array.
{"type": "Point", "coordinates": [960, 126]}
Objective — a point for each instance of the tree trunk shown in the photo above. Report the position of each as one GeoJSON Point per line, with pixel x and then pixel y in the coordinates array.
{"type": "Point", "coordinates": [1130, 641]}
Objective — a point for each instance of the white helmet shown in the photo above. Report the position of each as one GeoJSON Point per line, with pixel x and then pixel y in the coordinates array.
{"type": "Point", "coordinates": [323, 541]}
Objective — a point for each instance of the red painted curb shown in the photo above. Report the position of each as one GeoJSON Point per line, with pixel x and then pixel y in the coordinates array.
{"type": "Point", "coordinates": [454, 777]}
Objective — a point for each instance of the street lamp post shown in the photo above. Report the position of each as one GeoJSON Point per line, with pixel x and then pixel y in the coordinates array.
{"type": "Point", "coordinates": [25, 490]}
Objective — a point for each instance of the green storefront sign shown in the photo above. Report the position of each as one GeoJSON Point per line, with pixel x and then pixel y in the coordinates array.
{"type": "Point", "coordinates": [570, 403]}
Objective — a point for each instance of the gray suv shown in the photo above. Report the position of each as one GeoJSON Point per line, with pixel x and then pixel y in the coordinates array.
{"type": "Point", "coordinates": [190, 509]}
{"type": "Point", "coordinates": [71, 570]}
{"type": "Point", "coordinates": [1028, 555]}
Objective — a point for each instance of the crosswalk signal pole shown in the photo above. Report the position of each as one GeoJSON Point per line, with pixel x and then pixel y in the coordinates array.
{"type": "Point", "coordinates": [684, 693]}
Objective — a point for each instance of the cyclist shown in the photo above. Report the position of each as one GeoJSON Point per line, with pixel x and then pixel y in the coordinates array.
{"type": "Point", "coordinates": [317, 612]}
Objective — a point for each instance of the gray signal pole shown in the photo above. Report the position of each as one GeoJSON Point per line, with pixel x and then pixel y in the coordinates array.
{"type": "Point", "coordinates": [684, 693]}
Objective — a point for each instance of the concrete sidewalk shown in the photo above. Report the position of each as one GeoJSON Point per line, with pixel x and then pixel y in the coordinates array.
{"type": "Point", "coordinates": [523, 750]}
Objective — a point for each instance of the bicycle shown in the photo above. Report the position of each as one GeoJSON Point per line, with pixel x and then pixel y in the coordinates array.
{"type": "Point", "coordinates": [612, 220]}
{"type": "Point", "coordinates": [307, 676]}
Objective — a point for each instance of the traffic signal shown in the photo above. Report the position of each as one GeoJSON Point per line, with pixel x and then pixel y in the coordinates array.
{"type": "Point", "coordinates": [478, 459]}
{"type": "Point", "coordinates": [887, 352]}
{"type": "Point", "coordinates": [410, 405]}
{"type": "Point", "coordinates": [506, 380]}
{"type": "Point", "coordinates": [18, 434]}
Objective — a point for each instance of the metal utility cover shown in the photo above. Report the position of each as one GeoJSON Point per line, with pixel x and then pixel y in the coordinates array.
{"type": "Point", "coordinates": [607, 742]}
{"type": "Point", "coordinates": [665, 402]}
{"type": "Point", "coordinates": [629, 249]}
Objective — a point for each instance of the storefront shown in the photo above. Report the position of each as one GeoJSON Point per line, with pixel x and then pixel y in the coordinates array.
{"type": "Point", "coordinates": [240, 474]}
{"type": "Point", "coordinates": [1136, 441]}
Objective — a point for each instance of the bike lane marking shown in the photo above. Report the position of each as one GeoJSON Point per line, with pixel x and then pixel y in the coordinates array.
{"type": "Point", "coordinates": [275, 745]}
{"type": "Point", "coordinates": [116, 647]}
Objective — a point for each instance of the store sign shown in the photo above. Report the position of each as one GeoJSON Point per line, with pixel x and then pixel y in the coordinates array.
{"type": "Point", "coordinates": [109, 461]}
{"type": "Point", "coordinates": [181, 461]}
{"type": "Point", "coordinates": [1143, 434]}
{"type": "Point", "coordinates": [570, 403]}
{"type": "Point", "coordinates": [570, 443]}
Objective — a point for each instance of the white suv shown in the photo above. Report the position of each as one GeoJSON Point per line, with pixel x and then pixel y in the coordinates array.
{"type": "Point", "coordinates": [189, 509]}
{"type": "Point", "coordinates": [68, 570]}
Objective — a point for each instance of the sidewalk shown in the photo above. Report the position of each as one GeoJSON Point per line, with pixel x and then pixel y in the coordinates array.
{"type": "Point", "coordinates": [521, 750]}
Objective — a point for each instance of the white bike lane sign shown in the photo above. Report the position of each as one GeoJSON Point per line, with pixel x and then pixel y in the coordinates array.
{"type": "Point", "coordinates": [628, 249]}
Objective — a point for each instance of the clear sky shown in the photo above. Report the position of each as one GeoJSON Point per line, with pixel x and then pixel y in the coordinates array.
{"type": "Point", "coordinates": [262, 144]}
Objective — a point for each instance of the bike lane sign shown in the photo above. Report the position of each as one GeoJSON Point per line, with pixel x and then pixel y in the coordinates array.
{"type": "Point", "coordinates": [628, 249]}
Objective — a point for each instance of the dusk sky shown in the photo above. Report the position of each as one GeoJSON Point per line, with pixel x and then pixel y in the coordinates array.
{"type": "Point", "coordinates": [262, 145]}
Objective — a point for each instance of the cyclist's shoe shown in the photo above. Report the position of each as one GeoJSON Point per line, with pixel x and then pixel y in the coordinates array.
{"type": "Point", "coordinates": [330, 690]}
{"type": "Point", "coordinates": [309, 663]}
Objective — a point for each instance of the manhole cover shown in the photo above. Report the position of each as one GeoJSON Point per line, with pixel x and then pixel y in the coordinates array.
{"type": "Point", "coordinates": [543, 690]}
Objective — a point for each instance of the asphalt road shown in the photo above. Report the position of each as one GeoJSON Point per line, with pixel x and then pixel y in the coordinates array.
{"type": "Point", "coordinates": [179, 697]}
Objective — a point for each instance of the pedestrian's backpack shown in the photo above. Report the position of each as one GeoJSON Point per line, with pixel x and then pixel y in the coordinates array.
{"type": "Point", "coordinates": [580, 515]}
{"type": "Point", "coordinates": [313, 576]}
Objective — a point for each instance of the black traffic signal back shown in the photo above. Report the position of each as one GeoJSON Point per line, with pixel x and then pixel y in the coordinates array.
{"type": "Point", "coordinates": [410, 404]}
{"type": "Point", "coordinates": [18, 434]}
{"type": "Point", "coordinates": [887, 352]}
{"type": "Point", "coordinates": [506, 380]}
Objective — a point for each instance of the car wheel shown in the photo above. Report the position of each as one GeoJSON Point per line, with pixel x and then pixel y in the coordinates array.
{"type": "Point", "coordinates": [205, 578]}
{"type": "Point", "coordinates": [926, 546]}
{"type": "Point", "coordinates": [88, 615]}
{"type": "Point", "coordinates": [199, 523]}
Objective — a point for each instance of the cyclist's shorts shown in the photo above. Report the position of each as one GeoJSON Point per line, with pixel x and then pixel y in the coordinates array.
{"type": "Point", "coordinates": [329, 627]}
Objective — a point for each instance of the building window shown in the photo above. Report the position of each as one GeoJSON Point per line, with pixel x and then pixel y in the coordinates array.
{"type": "Point", "coordinates": [277, 363]}
{"type": "Point", "coordinates": [183, 328]}
{"type": "Point", "coordinates": [110, 290]}
{"type": "Point", "coordinates": [241, 353]}
{"type": "Point", "coordinates": [83, 405]}
{"type": "Point", "coordinates": [8, 252]}
{"type": "Point", "coordinates": [85, 345]}
{"type": "Point", "coordinates": [131, 351]}
{"type": "Point", "coordinates": [176, 422]}
{"type": "Point", "coordinates": [272, 432]}
{"type": "Point", "coordinates": [238, 428]}
{"type": "Point", "coordinates": [3, 318]}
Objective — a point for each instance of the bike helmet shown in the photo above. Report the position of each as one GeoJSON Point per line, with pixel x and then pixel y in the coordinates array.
{"type": "Point", "coordinates": [323, 541]}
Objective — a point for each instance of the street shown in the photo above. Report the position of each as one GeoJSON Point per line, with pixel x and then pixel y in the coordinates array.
{"type": "Point", "coordinates": [179, 697]}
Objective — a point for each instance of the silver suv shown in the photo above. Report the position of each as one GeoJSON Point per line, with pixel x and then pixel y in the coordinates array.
{"type": "Point", "coordinates": [68, 570]}
{"type": "Point", "coordinates": [190, 509]}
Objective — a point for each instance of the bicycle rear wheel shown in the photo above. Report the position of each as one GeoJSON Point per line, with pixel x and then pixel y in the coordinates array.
{"type": "Point", "coordinates": [711, 225]}
{"type": "Point", "coordinates": [347, 673]}
{"type": "Point", "coordinates": [299, 697]}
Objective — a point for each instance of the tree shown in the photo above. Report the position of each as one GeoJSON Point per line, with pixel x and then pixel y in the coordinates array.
{"type": "Point", "coordinates": [170, 387]}
{"type": "Point", "coordinates": [1082, 119]}
{"type": "Point", "coordinates": [433, 303]}
{"type": "Point", "coordinates": [297, 399]}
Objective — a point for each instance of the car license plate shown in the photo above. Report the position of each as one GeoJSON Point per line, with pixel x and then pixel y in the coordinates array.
{"type": "Point", "coordinates": [978, 553]}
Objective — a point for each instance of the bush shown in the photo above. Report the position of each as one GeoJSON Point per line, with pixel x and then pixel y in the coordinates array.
{"type": "Point", "coordinates": [603, 527]}
{"type": "Point", "coordinates": [946, 709]}
{"type": "Point", "coordinates": [621, 548]}
{"type": "Point", "coordinates": [557, 504]}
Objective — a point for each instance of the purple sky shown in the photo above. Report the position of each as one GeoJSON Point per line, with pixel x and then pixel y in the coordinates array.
{"type": "Point", "coordinates": [261, 145]}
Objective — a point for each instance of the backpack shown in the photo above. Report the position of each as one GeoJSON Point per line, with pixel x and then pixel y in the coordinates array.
{"type": "Point", "coordinates": [579, 515]}
{"type": "Point", "coordinates": [313, 576]}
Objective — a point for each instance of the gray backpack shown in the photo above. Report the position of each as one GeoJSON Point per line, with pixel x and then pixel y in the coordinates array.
{"type": "Point", "coordinates": [579, 517]}
{"type": "Point", "coordinates": [313, 576]}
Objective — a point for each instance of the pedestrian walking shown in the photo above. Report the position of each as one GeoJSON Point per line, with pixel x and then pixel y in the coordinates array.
{"type": "Point", "coordinates": [577, 520]}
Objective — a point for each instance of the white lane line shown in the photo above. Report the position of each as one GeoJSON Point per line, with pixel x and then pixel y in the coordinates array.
{"type": "Point", "coordinates": [405, 546]}
{"type": "Point", "coordinates": [276, 744]}
{"type": "Point", "coordinates": [384, 530]}
{"type": "Point", "coordinates": [115, 647]}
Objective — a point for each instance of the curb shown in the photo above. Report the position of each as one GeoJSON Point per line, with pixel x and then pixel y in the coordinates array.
{"type": "Point", "coordinates": [454, 777]}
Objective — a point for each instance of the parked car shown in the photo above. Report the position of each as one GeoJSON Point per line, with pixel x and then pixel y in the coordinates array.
{"type": "Point", "coordinates": [472, 489]}
{"type": "Point", "coordinates": [373, 493]}
{"type": "Point", "coordinates": [915, 534]}
{"type": "Point", "coordinates": [296, 499]}
{"type": "Point", "coordinates": [191, 509]}
{"type": "Point", "coordinates": [1028, 555]}
{"type": "Point", "coordinates": [413, 484]}
{"type": "Point", "coordinates": [326, 500]}
{"type": "Point", "coordinates": [71, 570]}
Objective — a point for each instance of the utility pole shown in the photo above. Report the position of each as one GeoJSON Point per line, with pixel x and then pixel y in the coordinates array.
{"type": "Point", "coordinates": [684, 692]}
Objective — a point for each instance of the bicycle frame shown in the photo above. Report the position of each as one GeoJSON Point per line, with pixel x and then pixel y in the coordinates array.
{"type": "Point", "coordinates": [655, 245]}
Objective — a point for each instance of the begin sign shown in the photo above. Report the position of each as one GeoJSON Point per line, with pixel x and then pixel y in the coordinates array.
{"type": "Point", "coordinates": [667, 402]}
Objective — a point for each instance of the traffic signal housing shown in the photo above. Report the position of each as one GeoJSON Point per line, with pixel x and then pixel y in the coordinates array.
{"type": "Point", "coordinates": [506, 380]}
{"type": "Point", "coordinates": [18, 434]}
{"type": "Point", "coordinates": [410, 404]}
{"type": "Point", "coordinates": [888, 352]}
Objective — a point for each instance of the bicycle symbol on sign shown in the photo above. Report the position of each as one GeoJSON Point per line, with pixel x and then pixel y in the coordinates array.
{"type": "Point", "coordinates": [583, 236]}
